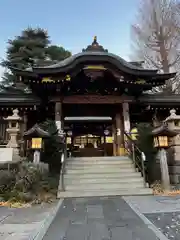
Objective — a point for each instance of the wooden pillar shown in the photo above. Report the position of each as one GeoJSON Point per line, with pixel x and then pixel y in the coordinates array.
{"type": "Point", "coordinates": [23, 142]}
{"type": "Point", "coordinates": [58, 116]}
{"type": "Point", "coordinates": [127, 125]}
{"type": "Point", "coordinates": [25, 120]}
{"type": "Point", "coordinates": [114, 139]}
{"type": "Point", "coordinates": [120, 134]}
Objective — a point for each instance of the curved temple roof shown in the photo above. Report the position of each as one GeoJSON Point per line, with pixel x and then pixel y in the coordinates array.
{"type": "Point", "coordinates": [93, 53]}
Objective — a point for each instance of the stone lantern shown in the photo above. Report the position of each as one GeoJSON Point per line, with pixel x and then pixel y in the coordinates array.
{"type": "Point", "coordinates": [173, 123]}
{"type": "Point", "coordinates": [13, 130]}
{"type": "Point", "coordinates": [161, 135]}
{"type": "Point", "coordinates": [36, 136]}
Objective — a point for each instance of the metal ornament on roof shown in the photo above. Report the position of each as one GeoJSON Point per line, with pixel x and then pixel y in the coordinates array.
{"type": "Point", "coordinates": [50, 80]}
{"type": "Point", "coordinates": [68, 78]}
{"type": "Point", "coordinates": [106, 132]}
{"type": "Point", "coordinates": [95, 47]}
{"type": "Point", "coordinates": [140, 81]}
{"type": "Point", "coordinates": [47, 80]}
{"type": "Point", "coordinates": [69, 133]}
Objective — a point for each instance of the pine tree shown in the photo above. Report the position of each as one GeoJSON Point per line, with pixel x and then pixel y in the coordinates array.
{"type": "Point", "coordinates": [31, 48]}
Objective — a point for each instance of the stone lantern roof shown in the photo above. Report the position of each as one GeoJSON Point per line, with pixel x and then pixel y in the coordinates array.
{"type": "Point", "coordinates": [36, 131]}
{"type": "Point", "coordinates": [172, 116]}
{"type": "Point", "coordinates": [163, 130]}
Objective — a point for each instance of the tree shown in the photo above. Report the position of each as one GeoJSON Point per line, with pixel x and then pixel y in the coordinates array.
{"type": "Point", "coordinates": [56, 53]}
{"type": "Point", "coordinates": [29, 49]}
{"type": "Point", "coordinates": [157, 36]}
{"type": "Point", "coordinates": [26, 49]}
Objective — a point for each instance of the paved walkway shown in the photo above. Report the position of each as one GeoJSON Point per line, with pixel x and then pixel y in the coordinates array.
{"type": "Point", "coordinates": [108, 218]}
{"type": "Point", "coordinates": [162, 212]}
{"type": "Point", "coordinates": [24, 223]}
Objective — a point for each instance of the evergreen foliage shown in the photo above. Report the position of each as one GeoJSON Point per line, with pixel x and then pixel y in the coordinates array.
{"type": "Point", "coordinates": [31, 48]}
{"type": "Point", "coordinates": [52, 147]}
{"type": "Point", "coordinates": [145, 144]}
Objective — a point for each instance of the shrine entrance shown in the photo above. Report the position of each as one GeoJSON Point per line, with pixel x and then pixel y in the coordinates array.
{"type": "Point", "coordinates": [89, 136]}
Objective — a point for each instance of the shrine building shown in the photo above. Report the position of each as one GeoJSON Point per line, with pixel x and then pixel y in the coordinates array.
{"type": "Point", "coordinates": [93, 96]}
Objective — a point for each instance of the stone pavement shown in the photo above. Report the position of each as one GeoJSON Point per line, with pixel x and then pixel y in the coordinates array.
{"type": "Point", "coordinates": [104, 218]}
{"type": "Point", "coordinates": [163, 212]}
{"type": "Point", "coordinates": [24, 223]}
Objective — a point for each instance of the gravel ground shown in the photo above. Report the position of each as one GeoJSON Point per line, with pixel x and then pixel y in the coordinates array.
{"type": "Point", "coordinates": [167, 223]}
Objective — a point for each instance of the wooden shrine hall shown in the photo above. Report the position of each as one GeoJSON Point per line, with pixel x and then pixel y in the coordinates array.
{"type": "Point", "coordinates": [94, 96]}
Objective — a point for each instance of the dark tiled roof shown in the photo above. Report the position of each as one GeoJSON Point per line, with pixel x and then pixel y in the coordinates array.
{"type": "Point", "coordinates": [93, 53]}
{"type": "Point", "coordinates": [160, 99]}
{"type": "Point", "coordinates": [36, 131]}
{"type": "Point", "coordinates": [15, 96]}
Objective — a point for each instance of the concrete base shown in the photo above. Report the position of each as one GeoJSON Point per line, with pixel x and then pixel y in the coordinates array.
{"type": "Point", "coordinates": [174, 172]}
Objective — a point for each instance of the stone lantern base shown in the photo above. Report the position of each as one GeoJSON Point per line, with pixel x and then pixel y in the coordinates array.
{"type": "Point", "coordinates": [174, 164]}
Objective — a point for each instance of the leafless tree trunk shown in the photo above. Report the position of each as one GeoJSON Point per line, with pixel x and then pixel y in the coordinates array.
{"type": "Point", "coordinates": [157, 37]}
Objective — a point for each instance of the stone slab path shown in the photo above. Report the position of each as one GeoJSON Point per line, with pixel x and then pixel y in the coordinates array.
{"type": "Point", "coordinates": [24, 223]}
{"type": "Point", "coordinates": [162, 212]}
{"type": "Point", "coordinates": [108, 218]}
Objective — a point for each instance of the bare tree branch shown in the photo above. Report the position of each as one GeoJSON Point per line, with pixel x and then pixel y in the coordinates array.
{"type": "Point", "coordinates": [156, 37]}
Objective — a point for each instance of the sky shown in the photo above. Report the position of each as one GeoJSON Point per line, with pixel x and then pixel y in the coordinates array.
{"type": "Point", "coordinates": [72, 23]}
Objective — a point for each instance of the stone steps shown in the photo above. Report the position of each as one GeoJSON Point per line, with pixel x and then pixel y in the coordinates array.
{"type": "Point", "coordinates": [120, 180]}
{"type": "Point", "coordinates": [100, 170]}
{"type": "Point", "coordinates": [99, 163]}
{"type": "Point", "coordinates": [98, 159]}
{"type": "Point", "coordinates": [100, 193]}
{"type": "Point", "coordinates": [102, 176]}
{"type": "Point", "coordinates": [103, 186]}
{"type": "Point", "coordinates": [80, 165]}
{"type": "Point", "coordinates": [118, 175]}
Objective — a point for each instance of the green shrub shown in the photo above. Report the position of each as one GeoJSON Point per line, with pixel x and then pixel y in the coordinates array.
{"type": "Point", "coordinates": [145, 144]}
{"type": "Point", "coordinates": [52, 147]}
{"type": "Point", "coordinates": [27, 184]}
{"type": "Point", "coordinates": [28, 177]}
{"type": "Point", "coordinates": [7, 181]}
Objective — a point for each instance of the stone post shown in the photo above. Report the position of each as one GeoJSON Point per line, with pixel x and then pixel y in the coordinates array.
{"type": "Point", "coordinates": [13, 130]}
{"type": "Point", "coordinates": [164, 170]}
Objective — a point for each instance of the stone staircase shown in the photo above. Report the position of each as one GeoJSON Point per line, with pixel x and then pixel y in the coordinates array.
{"type": "Point", "coordinates": [102, 176]}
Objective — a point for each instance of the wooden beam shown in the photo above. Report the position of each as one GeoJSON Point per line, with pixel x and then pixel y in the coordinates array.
{"type": "Point", "coordinates": [95, 99]}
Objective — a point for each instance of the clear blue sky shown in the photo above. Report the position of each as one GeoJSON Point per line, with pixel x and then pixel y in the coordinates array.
{"type": "Point", "coordinates": [71, 23]}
